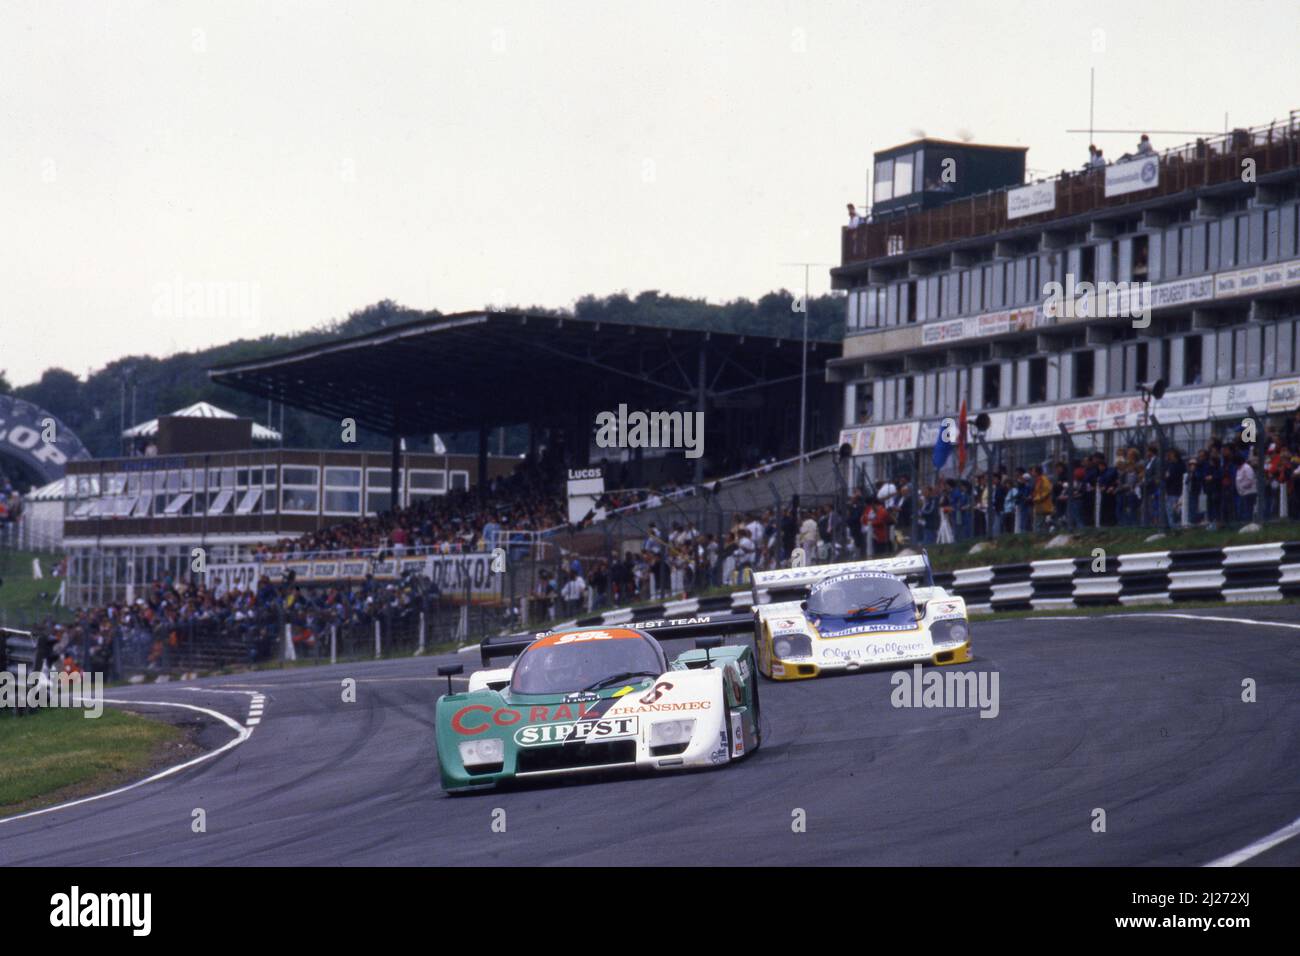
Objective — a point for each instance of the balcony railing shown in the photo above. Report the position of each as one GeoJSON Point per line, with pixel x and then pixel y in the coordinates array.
{"type": "Point", "coordinates": [1206, 162]}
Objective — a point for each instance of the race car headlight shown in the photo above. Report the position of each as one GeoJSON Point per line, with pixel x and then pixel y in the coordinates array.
{"type": "Point", "coordinates": [476, 753]}
{"type": "Point", "coordinates": [950, 632]}
{"type": "Point", "coordinates": [665, 733]}
{"type": "Point", "coordinates": [793, 645]}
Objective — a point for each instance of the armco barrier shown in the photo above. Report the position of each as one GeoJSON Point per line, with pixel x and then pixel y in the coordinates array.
{"type": "Point", "coordinates": [1252, 572]}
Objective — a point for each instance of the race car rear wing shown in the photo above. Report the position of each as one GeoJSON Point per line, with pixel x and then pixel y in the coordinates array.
{"type": "Point", "coordinates": [790, 584]}
{"type": "Point", "coordinates": [718, 623]}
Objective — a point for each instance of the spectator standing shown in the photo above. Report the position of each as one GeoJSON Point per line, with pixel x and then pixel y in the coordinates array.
{"type": "Point", "coordinates": [929, 515]}
{"type": "Point", "coordinates": [1247, 490]}
{"type": "Point", "coordinates": [879, 519]}
{"type": "Point", "coordinates": [1042, 499]}
{"type": "Point", "coordinates": [808, 537]}
{"type": "Point", "coordinates": [1175, 469]}
{"type": "Point", "coordinates": [945, 534]}
{"type": "Point", "coordinates": [574, 590]}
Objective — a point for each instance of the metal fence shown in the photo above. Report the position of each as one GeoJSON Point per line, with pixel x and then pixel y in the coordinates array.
{"type": "Point", "coordinates": [24, 535]}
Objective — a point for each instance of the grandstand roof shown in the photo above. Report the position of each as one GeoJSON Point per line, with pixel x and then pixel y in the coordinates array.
{"type": "Point", "coordinates": [459, 372]}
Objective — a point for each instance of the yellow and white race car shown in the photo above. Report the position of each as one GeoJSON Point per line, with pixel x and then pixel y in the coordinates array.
{"type": "Point", "coordinates": [848, 617]}
{"type": "Point", "coordinates": [810, 621]}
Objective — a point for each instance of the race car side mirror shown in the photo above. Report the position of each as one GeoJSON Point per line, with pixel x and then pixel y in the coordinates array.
{"type": "Point", "coordinates": [803, 605]}
{"type": "Point", "coordinates": [707, 644]}
{"type": "Point", "coordinates": [448, 670]}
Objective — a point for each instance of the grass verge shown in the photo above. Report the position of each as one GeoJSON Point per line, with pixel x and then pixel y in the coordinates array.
{"type": "Point", "coordinates": [1018, 549]}
{"type": "Point", "coordinates": [59, 754]}
{"type": "Point", "coordinates": [25, 600]}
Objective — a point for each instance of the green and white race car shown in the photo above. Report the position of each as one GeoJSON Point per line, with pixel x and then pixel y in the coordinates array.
{"type": "Point", "coordinates": [596, 699]}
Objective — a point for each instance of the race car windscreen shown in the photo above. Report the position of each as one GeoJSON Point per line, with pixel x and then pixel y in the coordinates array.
{"type": "Point", "coordinates": [864, 595]}
{"type": "Point", "coordinates": [591, 660]}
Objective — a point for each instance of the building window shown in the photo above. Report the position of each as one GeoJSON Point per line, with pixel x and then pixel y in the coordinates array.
{"type": "Point", "coordinates": [426, 484]}
{"type": "Point", "coordinates": [300, 491]}
{"type": "Point", "coordinates": [1037, 380]}
{"type": "Point", "coordinates": [902, 175]}
{"type": "Point", "coordinates": [1141, 363]}
{"type": "Point", "coordinates": [1088, 264]}
{"type": "Point", "coordinates": [863, 406]}
{"type": "Point", "coordinates": [379, 496]}
{"type": "Point", "coordinates": [342, 491]}
{"type": "Point", "coordinates": [884, 181]}
{"type": "Point", "coordinates": [1084, 374]}
{"type": "Point", "coordinates": [1141, 250]}
{"type": "Point", "coordinates": [269, 480]}
{"type": "Point", "coordinates": [221, 502]}
{"type": "Point", "coordinates": [460, 481]}
{"type": "Point", "coordinates": [1228, 242]}
{"type": "Point", "coordinates": [992, 394]}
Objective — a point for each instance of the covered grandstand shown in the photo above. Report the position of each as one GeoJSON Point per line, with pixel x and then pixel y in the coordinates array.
{"type": "Point", "coordinates": [480, 370]}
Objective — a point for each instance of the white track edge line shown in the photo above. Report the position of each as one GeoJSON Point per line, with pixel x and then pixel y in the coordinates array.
{"type": "Point", "coordinates": [1259, 846]}
{"type": "Point", "coordinates": [1186, 617]}
{"type": "Point", "coordinates": [242, 734]}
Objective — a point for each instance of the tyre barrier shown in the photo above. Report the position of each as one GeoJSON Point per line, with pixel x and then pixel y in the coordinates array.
{"type": "Point", "coordinates": [1251, 572]}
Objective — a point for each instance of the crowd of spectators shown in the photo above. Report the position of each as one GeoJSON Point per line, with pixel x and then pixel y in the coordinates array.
{"type": "Point", "coordinates": [180, 621]}
{"type": "Point", "coordinates": [173, 618]}
{"type": "Point", "coordinates": [1222, 483]}
{"type": "Point", "coordinates": [11, 501]}
{"type": "Point", "coordinates": [683, 560]}
{"type": "Point", "coordinates": [457, 522]}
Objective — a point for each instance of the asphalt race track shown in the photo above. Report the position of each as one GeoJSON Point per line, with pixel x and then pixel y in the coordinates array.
{"type": "Point", "coordinates": [1138, 715]}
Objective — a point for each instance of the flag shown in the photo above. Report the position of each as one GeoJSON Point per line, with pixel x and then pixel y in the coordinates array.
{"type": "Point", "coordinates": [961, 439]}
{"type": "Point", "coordinates": [942, 449]}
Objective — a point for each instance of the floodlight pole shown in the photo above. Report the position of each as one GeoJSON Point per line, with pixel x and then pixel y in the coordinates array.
{"type": "Point", "coordinates": [395, 471]}
{"type": "Point", "coordinates": [1152, 422]}
{"type": "Point", "coordinates": [700, 402]}
{"type": "Point", "coordinates": [803, 370]}
{"type": "Point", "coordinates": [803, 378]}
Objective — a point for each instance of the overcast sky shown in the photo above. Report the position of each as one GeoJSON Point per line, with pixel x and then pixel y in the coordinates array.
{"type": "Point", "coordinates": [296, 161]}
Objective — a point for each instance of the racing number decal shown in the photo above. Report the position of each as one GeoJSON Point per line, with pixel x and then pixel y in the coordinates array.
{"type": "Point", "coordinates": [656, 692]}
